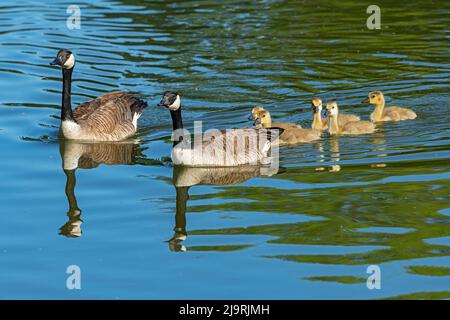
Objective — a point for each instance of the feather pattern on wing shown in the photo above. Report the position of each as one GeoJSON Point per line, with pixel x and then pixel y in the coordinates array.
{"type": "Point", "coordinates": [231, 148]}
{"type": "Point", "coordinates": [110, 117]}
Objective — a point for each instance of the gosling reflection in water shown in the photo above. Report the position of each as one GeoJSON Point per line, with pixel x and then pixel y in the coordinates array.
{"type": "Point", "coordinates": [380, 142]}
{"type": "Point", "coordinates": [186, 177]}
{"type": "Point", "coordinates": [88, 156]}
{"type": "Point", "coordinates": [334, 155]}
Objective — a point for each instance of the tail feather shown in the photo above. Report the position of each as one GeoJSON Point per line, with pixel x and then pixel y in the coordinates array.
{"type": "Point", "coordinates": [273, 133]}
{"type": "Point", "coordinates": [138, 106]}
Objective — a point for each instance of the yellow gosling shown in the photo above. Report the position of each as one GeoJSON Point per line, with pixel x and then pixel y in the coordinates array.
{"type": "Point", "coordinates": [283, 125]}
{"type": "Point", "coordinates": [291, 135]}
{"type": "Point", "coordinates": [383, 113]}
{"type": "Point", "coordinates": [320, 123]}
{"type": "Point", "coordinates": [352, 127]}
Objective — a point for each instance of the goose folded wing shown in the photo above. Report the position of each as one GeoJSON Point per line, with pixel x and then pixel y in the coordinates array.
{"type": "Point", "coordinates": [123, 100]}
{"type": "Point", "coordinates": [109, 111]}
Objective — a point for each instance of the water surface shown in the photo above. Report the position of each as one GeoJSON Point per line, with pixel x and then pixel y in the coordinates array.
{"type": "Point", "coordinates": [140, 228]}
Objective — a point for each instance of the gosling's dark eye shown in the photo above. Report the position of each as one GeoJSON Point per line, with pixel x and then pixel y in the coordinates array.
{"type": "Point", "coordinates": [373, 96]}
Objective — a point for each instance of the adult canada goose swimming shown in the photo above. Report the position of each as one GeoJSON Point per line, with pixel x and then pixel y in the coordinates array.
{"type": "Point", "coordinates": [389, 113]}
{"type": "Point", "coordinates": [254, 116]}
{"type": "Point", "coordinates": [352, 127]}
{"type": "Point", "coordinates": [232, 147]}
{"type": "Point", "coordinates": [320, 123]}
{"type": "Point", "coordinates": [110, 117]}
{"type": "Point", "coordinates": [291, 135]}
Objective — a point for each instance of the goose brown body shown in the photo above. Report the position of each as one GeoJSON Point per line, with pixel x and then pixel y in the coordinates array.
{"type": "Point", "coordinates": [110, 117]}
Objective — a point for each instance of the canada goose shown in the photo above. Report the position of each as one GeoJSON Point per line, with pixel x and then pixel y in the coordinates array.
{"type": "Point", "coordinates": [217, 148]}
{"type": "Point", "coordinates": [352, 127]}
{"type": "Point", "coordinates": [320, 123]}
{"type": "Point", "coordinates": [185, 177]}
{"type": "Point", "coordinates": [110, 117]}
{"type": "Point", "coordinates": [290, 135]}
{"type": "Point", "coordinates": [389, 113]}
{"type": "Point", "coordinates": [254, 115]}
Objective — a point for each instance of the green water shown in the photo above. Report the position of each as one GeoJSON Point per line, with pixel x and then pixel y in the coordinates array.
{"type": "Point", "coordinates": [308, 231]}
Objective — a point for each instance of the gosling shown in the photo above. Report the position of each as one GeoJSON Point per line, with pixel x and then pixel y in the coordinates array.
{"type": "Point", "coordinates": [283, 125]}
{"type": "Point", "coordinates": [387, 114]}
{"type": "Point", "coordinates": [322, 124]}
{"type": "Point", "coordinates": [352, 127]}
{"type": "Point", "coordinates": [290, 135]}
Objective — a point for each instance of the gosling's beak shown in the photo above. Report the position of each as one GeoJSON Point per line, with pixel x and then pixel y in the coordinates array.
{"type": "Point", "coordinates": [315, 109]}
{"type": "Point", "coordinates": [257, 122]}
{"type": "Point", "coordinates": [325, 113]}
{"type": "Point", "coordinates": [56, 62]}
{"type": "Point", "coordinates": [366, 100]}
{"type": "Point", "coordinates": [251, 117]}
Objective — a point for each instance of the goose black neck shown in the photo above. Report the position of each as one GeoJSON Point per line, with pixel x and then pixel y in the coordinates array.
{"type": "Point", "coordinates": [66, 106]}
{"type": "Point", "coordinates": [177, 123]}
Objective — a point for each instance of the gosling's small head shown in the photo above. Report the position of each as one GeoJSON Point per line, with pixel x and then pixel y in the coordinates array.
{"type": "Point", "coordinates": [263, 118]}
{"type": "Point", "coordinates": [332, 109]}
{"type": "Point", "coordinates": [316, 104]}
{"type": "Point", "coordinates": [374, 97]}
{"type": "Point", "coordinates": [255, 110]}
{"type": "Point", "coordinates": [170, 100]}
{"type": "Point", "coordinates": [65, 59]}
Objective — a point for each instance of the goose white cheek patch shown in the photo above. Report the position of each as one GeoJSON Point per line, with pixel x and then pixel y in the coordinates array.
{"type": "Point", "coordinates": [70, 62]}
{"type": "Point", "coordinates": [176, 104]}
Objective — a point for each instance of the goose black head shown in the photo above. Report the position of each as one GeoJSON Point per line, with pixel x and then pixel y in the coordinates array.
{"type": "Point", "coordinates": [170, 100]}
{"type": "Point", "coordinates": [65, 59]}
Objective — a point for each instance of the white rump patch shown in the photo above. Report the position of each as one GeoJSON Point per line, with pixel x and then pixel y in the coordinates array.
{"type": "Point", "coordinates": [136, 116]}
{"type": "Point", "coordinates": [70, 129]}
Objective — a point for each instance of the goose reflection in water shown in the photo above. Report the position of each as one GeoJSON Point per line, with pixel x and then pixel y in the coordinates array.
{"type": "Point", "coordinates": [186, 177]}
{"type": "Point", "coordinates": [76, 155]}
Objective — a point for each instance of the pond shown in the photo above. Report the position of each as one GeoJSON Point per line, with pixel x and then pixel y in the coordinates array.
{"type": "Point", "coordinates": [140, 228]}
